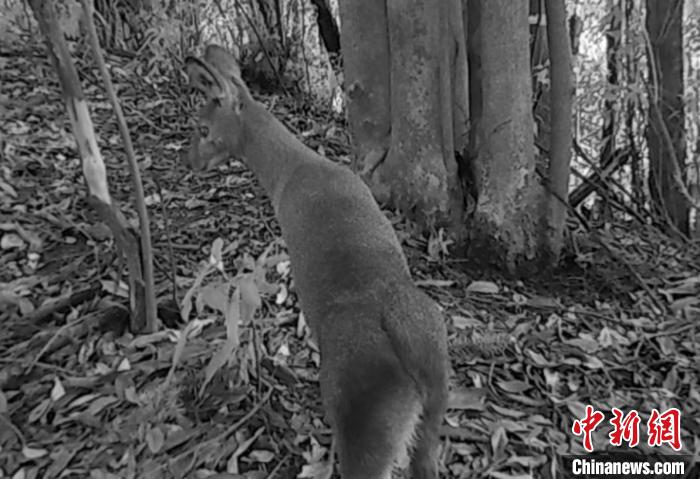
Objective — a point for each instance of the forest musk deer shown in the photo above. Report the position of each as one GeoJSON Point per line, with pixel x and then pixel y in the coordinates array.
{"type": "Point", "coordinates": [382, 340]}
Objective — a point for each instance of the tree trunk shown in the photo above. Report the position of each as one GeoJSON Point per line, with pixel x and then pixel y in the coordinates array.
{"type": "Point", "coordinates": [421, 111]}
{"type": "Point", "coordinates": [454, 99]}
{"type": "Point", "coordinates": [413, 169]}
{"type": "Point", "coordinates": [664, 25]}
{"type": "Point", "coordinates": [560, 139]}
{"type": "Point", "coordinates": [407, 121]}
{"type": "Point", "coordinates": [365, 46]}
{"type": "Point", "coordinates": [507, 211]}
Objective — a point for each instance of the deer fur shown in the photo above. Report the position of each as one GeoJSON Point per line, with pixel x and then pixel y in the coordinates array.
{"type": "Point", "coordinates": [382, 340]}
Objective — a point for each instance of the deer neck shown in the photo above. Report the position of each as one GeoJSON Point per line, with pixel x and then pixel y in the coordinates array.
{"type": "Point", "coordinates": [270, 150]}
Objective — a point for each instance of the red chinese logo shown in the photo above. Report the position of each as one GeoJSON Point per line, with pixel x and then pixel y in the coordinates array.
{"type": "Point", "coordinates": [665, 428]}
{"type": "Point", "coordinates": [587, 425]}
{"type": "Point", "coordinates": [624, 428]}
{"type": "Point", "coordinates": [662, 428]}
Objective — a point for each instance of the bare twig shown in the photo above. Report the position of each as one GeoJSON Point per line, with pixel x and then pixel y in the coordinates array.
{"type": "Point", "coordinates": [57, 334]}
{"type": "Point", "coordinates": [219, 438]}
{"type": "Point", "coordinates": [276, 469]}
{"type": "Point", "coordinates": [168, 237]}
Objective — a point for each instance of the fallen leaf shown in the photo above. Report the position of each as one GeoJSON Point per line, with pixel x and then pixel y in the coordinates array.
{"type": "Point", "coordinates": [57, 391]}
{"type": "Point", "coordinates": [483, 287]}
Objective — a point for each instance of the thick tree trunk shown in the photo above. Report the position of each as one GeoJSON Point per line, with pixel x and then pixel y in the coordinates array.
{"type": "Point", "coordinates": [408, 121]}
{"type": "Point", "coordinates": [365, 46]}
{"type": "Point", "coordinates": [664, 25]}
{"type": "Point", "coordinates": [509, 196]}
{"type": "Point", "coordinates": [414, 168]}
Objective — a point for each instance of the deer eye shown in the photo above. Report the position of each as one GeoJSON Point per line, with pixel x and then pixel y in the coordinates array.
{"type": "Point", "coordinates": [203, 130]}
{"type": "Point", "coordinates": [217, 102]}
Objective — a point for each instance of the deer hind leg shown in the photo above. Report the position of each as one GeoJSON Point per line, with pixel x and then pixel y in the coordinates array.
{"type": "Point", "coordinates": [375, 427]}
{"type": "Point", "coordinates": [424, 463]}
{"type": "Point", "coordinates": [372, 443]}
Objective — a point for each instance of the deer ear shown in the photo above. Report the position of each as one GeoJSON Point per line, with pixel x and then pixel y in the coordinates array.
{"type": "Point", "coordinates": [224, 61]}
{"type": "Point", "coordinates": [205, 78]}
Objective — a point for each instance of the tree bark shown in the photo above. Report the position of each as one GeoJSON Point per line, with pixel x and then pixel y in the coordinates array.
{"type": "Point", "coordinates": [414, 168]}
{"type": "Point", "coordinates": [560, 139]}
{"type": "Point", "coordinates": [507, 210]}
{"type": "Point", "coordinates": [408, 121]}
{"type": "Point", "coordinates": [664, 25]}
{"type": "Point", "coordinates": [454, 95]}
{"type": "Point", "coordinates": [365, 46]}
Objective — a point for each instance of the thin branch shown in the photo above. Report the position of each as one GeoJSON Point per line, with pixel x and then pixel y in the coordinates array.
{"type": "Point", "coordinates": [219, 438]}
{"type": "Point", "coordinates": [168, 236]}
{"type": "Point", "coordinates": [145, 229]}
{"type": "Point", "coordinates": [675, 164]}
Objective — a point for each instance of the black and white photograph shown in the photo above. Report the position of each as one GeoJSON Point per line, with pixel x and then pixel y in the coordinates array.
{"type": "Point", "coordinates": [349, 239]}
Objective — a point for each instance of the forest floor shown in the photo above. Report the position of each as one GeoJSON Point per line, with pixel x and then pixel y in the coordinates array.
{"type": "Point", "coordinates": [80, 396]}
